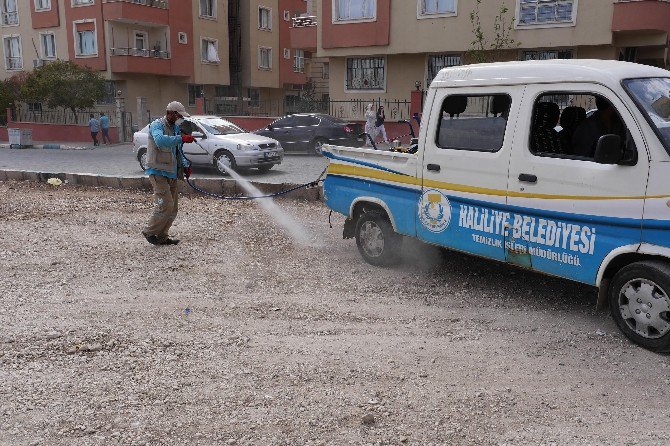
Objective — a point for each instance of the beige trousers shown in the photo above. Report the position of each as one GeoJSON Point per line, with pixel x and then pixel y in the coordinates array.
{"type": "Point", "coordinates": [165, 207]}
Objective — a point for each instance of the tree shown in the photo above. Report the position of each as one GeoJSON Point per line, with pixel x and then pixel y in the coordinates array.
{"type": "Point", "coordinates": [64, 84]}
{"type": "Point", "coordinates": [9, 91]}
{"type": "Point", "coordinates": [308, 102]}
{"type": "Point", "coordinates": [482, 48]}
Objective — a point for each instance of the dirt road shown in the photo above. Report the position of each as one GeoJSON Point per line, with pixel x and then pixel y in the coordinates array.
{"type": "Point", "coordinates": [240, 336]}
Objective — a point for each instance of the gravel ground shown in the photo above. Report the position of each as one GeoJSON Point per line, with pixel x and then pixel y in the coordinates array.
{"type": "Point", "coordinates": [240, 336]}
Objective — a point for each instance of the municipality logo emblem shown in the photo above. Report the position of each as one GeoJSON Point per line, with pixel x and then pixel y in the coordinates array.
{"type": "Point", "coordinates": [434, 211]}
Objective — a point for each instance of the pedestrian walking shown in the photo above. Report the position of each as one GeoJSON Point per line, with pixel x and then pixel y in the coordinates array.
{"type": "Point", "coordinates": [104, 126]}
{"type": "Point", "coordinates": [370, 127]}
{"type": "Point", "coordinates": [379, 123]}
{"type": "Point", "coordinates": [94, 125]}
{"type": "Point", "coordinates": [166, 165]}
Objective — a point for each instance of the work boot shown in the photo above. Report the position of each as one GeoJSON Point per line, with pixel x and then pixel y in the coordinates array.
{"type": "Point", "coordinates": [170, 241]}
{"type": "Point", "coordinates": [152, 239]}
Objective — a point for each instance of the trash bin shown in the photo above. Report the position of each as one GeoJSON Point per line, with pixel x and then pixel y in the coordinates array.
{"type": "Point", "coordinates": [20, 138]}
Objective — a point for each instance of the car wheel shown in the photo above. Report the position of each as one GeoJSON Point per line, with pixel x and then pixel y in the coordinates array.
{"type": "Point", "coordinates": [377, 242]}
{"type": "Point", "coordinates": [640, 304]}
{"type": "Point", "coordinates": [265, 168]}
{"type": "Point", "coordinates": [317, 145]}
{"type": "Point", "coordinates": [224, 161]}
{"type": "Point", "coordinates": [142, 158]}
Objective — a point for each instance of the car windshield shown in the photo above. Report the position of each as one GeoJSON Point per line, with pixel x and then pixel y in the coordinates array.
{"type": "Point", "coordinates": [652, 96]}
{"type": "Point", "coordinates": [219, 126]}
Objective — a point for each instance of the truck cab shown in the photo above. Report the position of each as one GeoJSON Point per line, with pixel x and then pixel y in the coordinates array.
{"type": "Point", "coordinates": [556, 166]}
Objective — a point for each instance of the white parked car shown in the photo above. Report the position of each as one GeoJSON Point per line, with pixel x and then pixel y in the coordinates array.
{"type": "Point", "coordinates": [221, 144]}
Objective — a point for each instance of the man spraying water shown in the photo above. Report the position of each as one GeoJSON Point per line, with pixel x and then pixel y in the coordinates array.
{"type": "Point", "coordinates": [166, 164]}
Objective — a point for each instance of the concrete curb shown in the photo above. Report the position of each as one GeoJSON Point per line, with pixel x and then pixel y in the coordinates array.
{"type": "Point", "coordinates": [216, 186]}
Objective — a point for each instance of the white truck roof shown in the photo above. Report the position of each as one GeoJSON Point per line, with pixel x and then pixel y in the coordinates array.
{"type": "Point", "coordinates": [543, 71]}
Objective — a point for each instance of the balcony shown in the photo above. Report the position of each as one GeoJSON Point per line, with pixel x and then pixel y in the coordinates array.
{"type": "Point", "coordinates": [303, 33]}
{"type": "Point", "coordinates": [641, 15]}
{"type": "Point", "coordinates": [149, 12]}
{"type": "Point", "coordinates": [140, 61]}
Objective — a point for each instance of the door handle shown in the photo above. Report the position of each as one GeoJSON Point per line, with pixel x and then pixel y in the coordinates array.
{"type": "Point", "coordinates": [433, 167]}
{"type": "Point", "coordinates": [527, 178]}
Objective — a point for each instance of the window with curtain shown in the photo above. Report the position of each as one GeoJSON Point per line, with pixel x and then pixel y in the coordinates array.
{"type": "Point", "coordinates": [299, 61]}
{"type": "Point", "coordinates": [13, 54]}
{"type": "Point", "coordinates": [365, 73]}
{"type": "Point", "coordinates": [533, 12]}
{"type": "Point", "coordinates": [10, 15]}
{"type": "Point", "coordinates": [265, 58]}
{"type": "Point", "coordinates": [210, 52]}
{"type": "Point", "coordinates": [85, 39]}
{"type": "Point", "coordinates": [48, 46]}
{"type": "Point", "coordinates": [264, 18]}
{"type": "Point", "coordinates": [355, 9]}
{"type": "Point", "coordinates": [429, 7]}
{"type": "Point", "coordinates": [42, 5]}
{"type": "Point", "coordinates": [208, 8]}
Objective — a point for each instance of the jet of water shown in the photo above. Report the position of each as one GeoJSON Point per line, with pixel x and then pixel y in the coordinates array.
{"type": "Point", "coordinates": [298, 233]}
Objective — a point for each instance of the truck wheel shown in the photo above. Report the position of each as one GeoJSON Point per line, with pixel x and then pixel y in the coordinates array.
{"type": "Point", "coordinates": [377, 242]}
{"type": "Point", "coordinates": [142, 158]}
{"type": "Point", "coordinates": [640, 304]}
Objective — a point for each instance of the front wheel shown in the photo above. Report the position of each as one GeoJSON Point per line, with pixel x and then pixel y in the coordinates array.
{"type": "Point", "coordinates": [224, 162]}
{"type": "Point", "coordinates": [377, 242]}
{"type": "Point", "coordinates": [142, 158]}
{"type": "Point", "coordinates": [640, 304]}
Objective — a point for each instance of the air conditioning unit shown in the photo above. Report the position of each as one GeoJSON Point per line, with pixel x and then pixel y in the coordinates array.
{"type": "Point", "coordinates": [182, 38]}
{"type": "Point", "coordinates": [38, 63]}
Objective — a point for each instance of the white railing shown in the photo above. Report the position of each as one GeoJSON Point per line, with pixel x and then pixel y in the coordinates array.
{"type": "Point", "coordinates": [14, 63]}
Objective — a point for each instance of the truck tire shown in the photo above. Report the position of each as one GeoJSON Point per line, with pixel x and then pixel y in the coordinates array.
{"type": "Point", "coordinates": [377, 242]}
{"type": "Point", "coordinates": [640, 303]}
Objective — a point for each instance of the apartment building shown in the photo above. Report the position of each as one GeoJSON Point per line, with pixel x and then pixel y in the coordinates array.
{"type": "Point", "coordinates": [383, 48]}
{"type": "Point", "coordinates": [150, 51]}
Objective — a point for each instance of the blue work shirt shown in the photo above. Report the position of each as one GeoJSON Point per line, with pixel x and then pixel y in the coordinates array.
{"type": "Point", "coordinates": [104, 122]}
{"type": "Point", "coordinates": [94, 125]}
{"type": "Point", "coordinates": [156, 132]}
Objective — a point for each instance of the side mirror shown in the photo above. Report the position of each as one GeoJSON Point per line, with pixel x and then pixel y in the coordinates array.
{"type": "Point", "coordinates": [609, 150]}
{"type": "Point", "coordinates": [198, 135]}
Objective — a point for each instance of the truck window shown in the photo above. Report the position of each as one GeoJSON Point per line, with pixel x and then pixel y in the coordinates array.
{"type": "Point", "coordinates": [473, 122]}
{"type": "Point", "coordinates": [569, 124]}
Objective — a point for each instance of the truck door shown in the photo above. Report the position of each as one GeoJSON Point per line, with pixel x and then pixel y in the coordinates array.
{"type": "Point", "coordinates": [468, 141]}
{"type": "Point", "coordinates": [567, 210]}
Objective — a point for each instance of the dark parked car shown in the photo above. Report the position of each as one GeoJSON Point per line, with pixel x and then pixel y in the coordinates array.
{"type": "Point", "coordinates": [309, 131]}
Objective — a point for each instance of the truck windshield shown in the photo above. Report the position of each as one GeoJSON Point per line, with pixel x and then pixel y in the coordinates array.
{"type": "Point", "coordinates": [652, 96]}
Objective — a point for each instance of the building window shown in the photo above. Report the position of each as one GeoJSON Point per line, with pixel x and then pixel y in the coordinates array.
{"type": "Point", "coordinates": [265, 58]}
{"type": "Point", "coordinates": [264, 18]}
{"type": "Point", "coordinates": [13, 53]}
{"type": "Point", "coordinates": [42, 5]}
{"type": "Point", "coordinates": [437, 7]}
{"type": "Point", "coordinates": [48, 42]}
{"type": "Point", "coordinates": [194, 91]}
{"type": "Point", "coordinates": [299, 61]}
{"type": "Point", "coordinates": [287, 53]}
{"type": "Point", "coordinates": [325, 73]}
{"type": "Point", "coordinates": [141, 43]}
{"type": "Point", "coordinates": [346, 10]}
{"type": "Point", "coordinates": [82, 2]}
{"type": "Point", "coordinates": [208, 8]}
{"type": "Point", "coordinates": [210, 50]}
{"type": "Point", "coordinates": [365, 73]}
{"type": "Point", "coordinates": [10, 15]}
{"type": "Point", "coordinates": [438, 61]}
{"type": "Point", "coordinates": [540, 12]}
{"type": "Point", "coordinates": [85, 39]}
{"type": "Point", "coordinates": [547, 54]}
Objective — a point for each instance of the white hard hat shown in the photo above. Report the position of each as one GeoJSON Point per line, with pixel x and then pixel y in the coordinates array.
{"type": "Point", "coordinates": [178, 107]}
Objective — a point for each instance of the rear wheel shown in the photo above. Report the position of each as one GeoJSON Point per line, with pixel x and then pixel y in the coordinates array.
{"type": "Point", "coordinates": [377, 242]}
{"type": "Point", "coordinates": [142, 158]}
{"type": "Point", "coordinates": [224, 161]}
{"type": "Point", "coordinates": [317, 145]}
{"type": "Point", "coordinates": [640, 303]}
